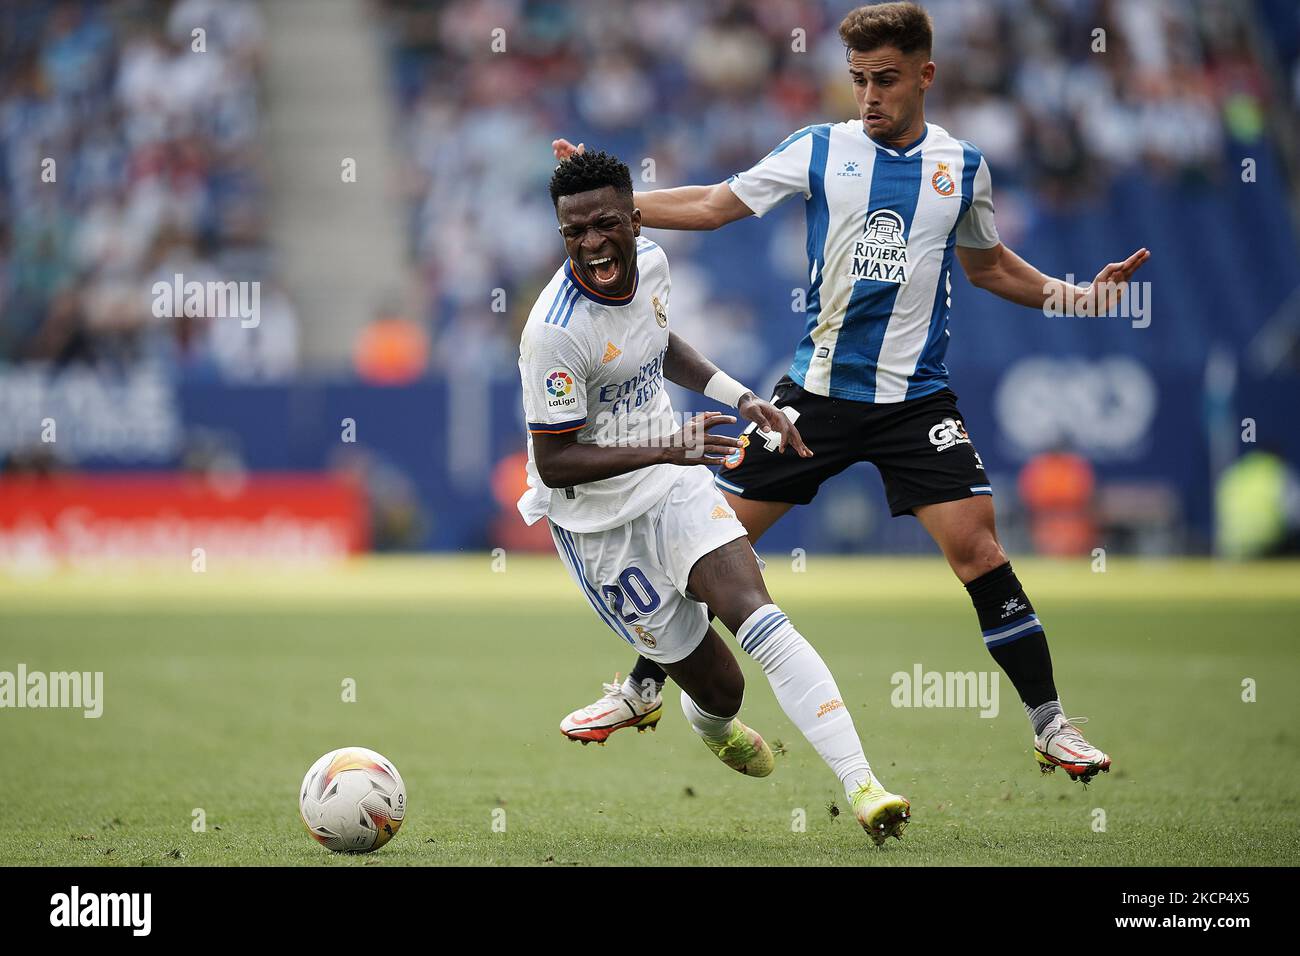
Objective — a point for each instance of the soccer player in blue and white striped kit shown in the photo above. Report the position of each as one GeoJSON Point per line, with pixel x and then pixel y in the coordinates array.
{"type": "Point", "coordinates": [890, 202]}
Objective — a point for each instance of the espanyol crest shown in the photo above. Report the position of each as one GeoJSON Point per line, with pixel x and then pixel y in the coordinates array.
{"type": "Point", "coordinates": [942, 181]}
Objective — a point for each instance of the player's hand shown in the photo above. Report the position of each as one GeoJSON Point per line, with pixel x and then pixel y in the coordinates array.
{"type": "Point", "coordinates": [771, 419]}
{"type": "Point", "coordinates": [1110, 285]}
{"type": "Point", "coordinates": [693, 445]}
{"type": "Point", "coordinates": [563, 149]}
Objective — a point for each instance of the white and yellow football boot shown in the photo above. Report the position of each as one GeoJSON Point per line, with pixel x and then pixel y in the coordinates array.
{"type": "Point", "coordinates": [616, 710]}
{"type": "Point", "coordinates": [744, 751]}
{"type": "Point", "coordinates": [881, 813]}
{"type": "Point", "coordinates": [1061, 745]}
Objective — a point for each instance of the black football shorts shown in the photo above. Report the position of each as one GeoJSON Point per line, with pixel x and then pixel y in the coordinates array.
{"type": "Point", "coordinates": [920, 447]}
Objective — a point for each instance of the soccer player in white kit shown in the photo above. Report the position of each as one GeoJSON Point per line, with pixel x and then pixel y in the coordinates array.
{"type": "Point", "coordinates": [645, 535]}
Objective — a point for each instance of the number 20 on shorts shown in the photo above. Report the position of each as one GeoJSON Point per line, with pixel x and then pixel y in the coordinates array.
{"type": "Point", "coordinates": [635, 588]}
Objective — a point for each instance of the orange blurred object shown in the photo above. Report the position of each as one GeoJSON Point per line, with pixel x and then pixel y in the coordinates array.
{"type": "Point", "coordinates": [1057, 489]}
{"type": "Point", "coordinates": [509, 481]}
{"type": "Point", "coordinates": [392, 352]}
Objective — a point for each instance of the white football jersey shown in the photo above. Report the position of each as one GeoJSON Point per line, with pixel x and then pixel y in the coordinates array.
{"type": "Point", "coordinates": [595, 365]}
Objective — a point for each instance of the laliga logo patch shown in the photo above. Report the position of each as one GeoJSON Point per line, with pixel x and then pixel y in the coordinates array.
{"type": "Point", "coordinates": [736, 457]}
{"type": "Point", "coordinates": [559, 383]}
{"type": "Point", "coordinates": [559, 388]}
{"type": "Point", "coordinates": [881, 253]}
{"type": "Point", "coordinates": [943, 182]}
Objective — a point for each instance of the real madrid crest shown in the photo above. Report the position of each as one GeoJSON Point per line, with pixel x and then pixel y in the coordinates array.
{"type": "Point", "coordinates": [661, 314]}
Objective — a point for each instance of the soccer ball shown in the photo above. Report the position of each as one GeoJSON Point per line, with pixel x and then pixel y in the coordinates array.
{"type": "Point", "coordinates": [352, 800]}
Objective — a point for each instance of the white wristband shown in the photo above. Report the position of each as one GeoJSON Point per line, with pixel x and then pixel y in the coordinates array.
{"type": "Point", "coordinates": [723, 388]}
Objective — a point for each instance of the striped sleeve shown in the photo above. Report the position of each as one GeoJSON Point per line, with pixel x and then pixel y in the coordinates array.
{"type": "Point", "coordinates": [976, 229]}
{"type": "Point", "coordinates": [553, 370]}
{"type": "Point", "coordinates": [778, 175]}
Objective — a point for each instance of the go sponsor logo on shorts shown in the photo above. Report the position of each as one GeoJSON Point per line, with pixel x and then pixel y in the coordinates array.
{"type": "Point", "coordinates": [948, 433]}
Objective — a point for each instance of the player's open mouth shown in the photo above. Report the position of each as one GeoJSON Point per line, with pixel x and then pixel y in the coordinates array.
{"type": "Point", "coordinates": [604, 271]}
{"type": "Point", "coordinates": [875, 117]}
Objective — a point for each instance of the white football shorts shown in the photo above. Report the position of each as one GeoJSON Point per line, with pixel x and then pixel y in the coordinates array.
{"type": "Point", "coordinates": [635, 575]}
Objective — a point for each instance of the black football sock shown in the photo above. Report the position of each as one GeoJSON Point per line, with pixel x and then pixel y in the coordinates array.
{"type": "Point", "coordinates": [647, 670]}
{"type": "Point", "coordinates": [1015, 638]}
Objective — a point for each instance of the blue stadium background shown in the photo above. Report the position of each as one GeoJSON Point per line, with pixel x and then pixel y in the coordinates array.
{"type": "Point", "coordinates": [1093, 155]}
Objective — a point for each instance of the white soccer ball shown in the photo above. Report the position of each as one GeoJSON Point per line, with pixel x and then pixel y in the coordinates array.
{"type": "Point", "coordinates": [352, 800]}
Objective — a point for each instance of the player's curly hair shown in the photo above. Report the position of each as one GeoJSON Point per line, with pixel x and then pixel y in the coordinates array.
{"type": "Point", "coordinates": [582, 172]}
{"type": "Point", "coordinates": [905, 26]}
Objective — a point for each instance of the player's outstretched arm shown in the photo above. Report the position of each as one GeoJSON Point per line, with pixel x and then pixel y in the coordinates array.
{"type": "Point", "coordinates": [563, 461]}
{"type": "Point", "coordinates": [682, 207]}
{"type": "Point", "coordinates": [690, 207]}
{"type": "Point", "coordinates": [1005, 274]}
{"type": "Point", "coordinates": [686, 367]}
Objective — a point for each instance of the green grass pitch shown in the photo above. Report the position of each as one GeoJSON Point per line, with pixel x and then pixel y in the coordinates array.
{"type": "Point", "coordinates": [220, 689]}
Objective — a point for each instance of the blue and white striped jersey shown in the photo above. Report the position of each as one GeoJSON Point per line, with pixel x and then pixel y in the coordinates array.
{"type": "Point", "coordinates": [882, 224]}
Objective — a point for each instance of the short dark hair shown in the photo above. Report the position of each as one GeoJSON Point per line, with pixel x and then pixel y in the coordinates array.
{"type": "Point", "coordinates": [583, 172]}
{"type": "Point", "coordinates": [905, 26]}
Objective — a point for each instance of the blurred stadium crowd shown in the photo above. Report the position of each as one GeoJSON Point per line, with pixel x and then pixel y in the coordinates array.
{"type": "Point", "coordinates": [1108, 125]}
{"type": "Point", "coordinates": [707, 89]}
{"type": "Point", "coordinates": [162, 167]}
{"type": "Point", "coordinates": [157, 171]}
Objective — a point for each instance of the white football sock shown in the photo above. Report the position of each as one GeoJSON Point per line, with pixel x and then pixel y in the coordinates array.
{"type": "Point", "coordinates": [711, 728]}
{"type": "Point", "coordinates": [806, 691]}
